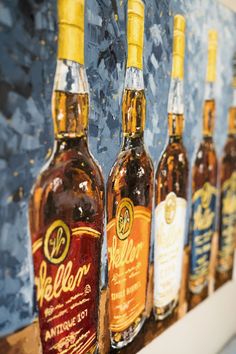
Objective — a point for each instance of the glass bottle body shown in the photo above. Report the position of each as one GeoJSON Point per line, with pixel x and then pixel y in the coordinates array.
{"type": "Point", "coordinates": [227, 219]}
{"type": "Point", "coordinates": [66, 224]}
{"type": "Point", "coordinates": [204, 202]}
{"type": "Point", "coordinates": [129, 208]}
{"type": "Point", "coordinates": [171, 183]}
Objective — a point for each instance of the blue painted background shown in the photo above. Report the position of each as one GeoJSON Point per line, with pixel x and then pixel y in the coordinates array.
{"type": "Point", "coordinates": [28, 37]}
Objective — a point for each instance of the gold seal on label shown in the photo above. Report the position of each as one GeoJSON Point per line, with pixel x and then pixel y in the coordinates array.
{"type": "Point", "coordinates": [170, 207]}
{"type": "Point", "coordinates": [57, 242]}
{"type": "Point", "coordinates": [206, 195]}
{"type": "Point", "coordinates": [124, 218]}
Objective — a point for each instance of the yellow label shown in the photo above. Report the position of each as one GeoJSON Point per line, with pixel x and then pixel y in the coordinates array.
{"type": "Point", "coordinates": [178, 47]}
{"type": "Point", "coordinates": [128, 238]}
{"type": "Point", "coordinates": [212, 53]}
{"type": "Point", "coordinates": [135, 33]}
{"type": "Point", "coordinates": [71, 30]}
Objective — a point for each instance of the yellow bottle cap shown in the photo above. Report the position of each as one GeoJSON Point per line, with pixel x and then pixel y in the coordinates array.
{"type": "Point", "coordinates": [212, 52]}
{"type": "Point", "coordinates": [178, 47]}
{"type": "Point", "coordinates": [71, 30]}
{"type": "Point", "coordinates": [135, 33]}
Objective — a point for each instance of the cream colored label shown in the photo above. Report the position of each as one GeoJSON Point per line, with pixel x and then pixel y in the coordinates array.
{"type": "Point", "coordinates": [170, 218]}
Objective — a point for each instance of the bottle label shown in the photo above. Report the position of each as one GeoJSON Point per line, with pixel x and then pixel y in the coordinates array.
{"type": "Point", "coordinates": [170, 220]}
{"type": "Point", "coordinates": [128, 237]}
{"type": "Point", "coordinates": [66, 266]}
{"type": "Point", "coordinates": [228, 224]}
{"type": "Point", "coordinates": [203, 228]}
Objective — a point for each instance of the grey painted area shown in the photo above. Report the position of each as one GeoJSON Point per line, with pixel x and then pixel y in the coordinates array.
{"type": "Point", "coordinates": [27, 66]}
{"type": "Point", "coordinates": [230, 347]}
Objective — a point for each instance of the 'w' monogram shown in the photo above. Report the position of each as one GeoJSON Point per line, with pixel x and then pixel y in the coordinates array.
{"type": "Point", "coordinates": [56, 242]}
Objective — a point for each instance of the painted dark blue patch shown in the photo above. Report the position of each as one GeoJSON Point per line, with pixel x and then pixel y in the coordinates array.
{"type": "Point", "coordinates": [203, 223]}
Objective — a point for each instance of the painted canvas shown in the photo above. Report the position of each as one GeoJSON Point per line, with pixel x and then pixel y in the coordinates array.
{"type": "Point", "coordinates": [121, 188]}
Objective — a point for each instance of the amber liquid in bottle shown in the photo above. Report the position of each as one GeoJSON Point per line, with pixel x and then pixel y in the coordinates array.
{"type": "Point", "coordinates": [204, 199]}
{"type": "Point", "coordinates": [129, 206]}
{"type": "Point", "coordinates": [227, 227]}
{"type": "Point", "coordinates": [66, 210]}
{"type": "Point", "coordinates": [171, 183]}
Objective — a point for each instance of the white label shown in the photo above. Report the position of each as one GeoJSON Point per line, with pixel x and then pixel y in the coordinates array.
{"type": "Point", "coordinates": [170, 219]}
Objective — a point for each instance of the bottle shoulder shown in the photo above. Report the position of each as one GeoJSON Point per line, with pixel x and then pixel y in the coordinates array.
{"type": "Point", "coordinates": [174, 157]}
{"type": "Point", "coordinates": [206, 156]}
{"type": "Point", "coordinates": [207, 146]}
{"type": "Point", "coordinates": [205, 167]}
{"type": "Point", "coordinates": [172, 173]}
{"type": "Point", "coordinates": [228, 160]}
{"type": "Point", "coordinates": [229, 151]}
{"type": "Point", "coordinates": [132, 176]}
{"type": "Point", "coordinates": [70, 183]}
{"type": "Point", "coordinates": [134, 160]}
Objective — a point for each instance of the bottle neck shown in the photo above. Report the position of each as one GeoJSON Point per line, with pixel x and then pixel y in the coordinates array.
{"type": "Point", "coordinates": [176, 109]}
{"type": "Point", "coordinates": [70, 100]}
{"type": "Point", "coordinates": [71, 144]}
{"type": "Point", "coordinates": [209, 111]}
{"type": "Point", "coordinates": [175, 127]}
{"type": "Point", "coordinates": [133, 106]}
{"type": "Point", "coordinates": [232, 115]}
{"type": "Point", "coordinates": [176, 97]}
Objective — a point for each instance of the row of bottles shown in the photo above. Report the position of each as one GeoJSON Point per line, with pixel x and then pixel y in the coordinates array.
{"type": "Point", "coordinates": [67, 207]}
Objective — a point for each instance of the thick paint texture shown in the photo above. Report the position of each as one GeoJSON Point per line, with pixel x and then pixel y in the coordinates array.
{"type": "Point", "coordinates": [28, 42]}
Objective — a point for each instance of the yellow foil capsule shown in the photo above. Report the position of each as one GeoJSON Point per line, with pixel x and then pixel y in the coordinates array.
{"type": "Point", "coordinates": [135, 33]}
{"type": "Point", "coordinates": [71, 30]}
{"type": "Point", "coordinates": [212, 52]}
{"type": "Point", "coordinates": [178, 47]}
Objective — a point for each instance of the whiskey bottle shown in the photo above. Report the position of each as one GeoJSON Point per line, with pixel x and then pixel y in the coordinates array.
{"type": "Point", "coordinates": [227, 226]}
{"type": "Point", "coordinates": [171, 184]}
{"type": "Point", "coordinates": [129, 199]}
{"type": "Point", "coordinates": [66, 207]}
{"type": "Point", "coordinates": [204, 189]}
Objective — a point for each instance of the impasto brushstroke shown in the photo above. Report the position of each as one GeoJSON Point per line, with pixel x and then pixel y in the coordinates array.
{"type": "Point", "coordinates": [27, 66]}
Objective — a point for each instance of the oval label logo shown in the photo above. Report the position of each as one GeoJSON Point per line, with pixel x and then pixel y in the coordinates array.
{"type": "Point", "coordinates": [206, 195]}
{"type": "Point", "coordinates": [57, 242]}
{"type": "Point", "coordinates": [124, 218]}
{"type": "Point", "coordinates": [170, 208]}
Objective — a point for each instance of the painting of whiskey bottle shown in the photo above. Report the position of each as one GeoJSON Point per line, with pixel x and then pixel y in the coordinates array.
{"type": "Point", "coordinates": [66, 206]}
{"type": "Point", "coordinates": [227, 226]}
{"type": "Point", "coordinates": [129, 198]}
{"type": "Point", "coordinates": [171, 184]}
{"type": "Point", "coordinates": [204, 190]}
